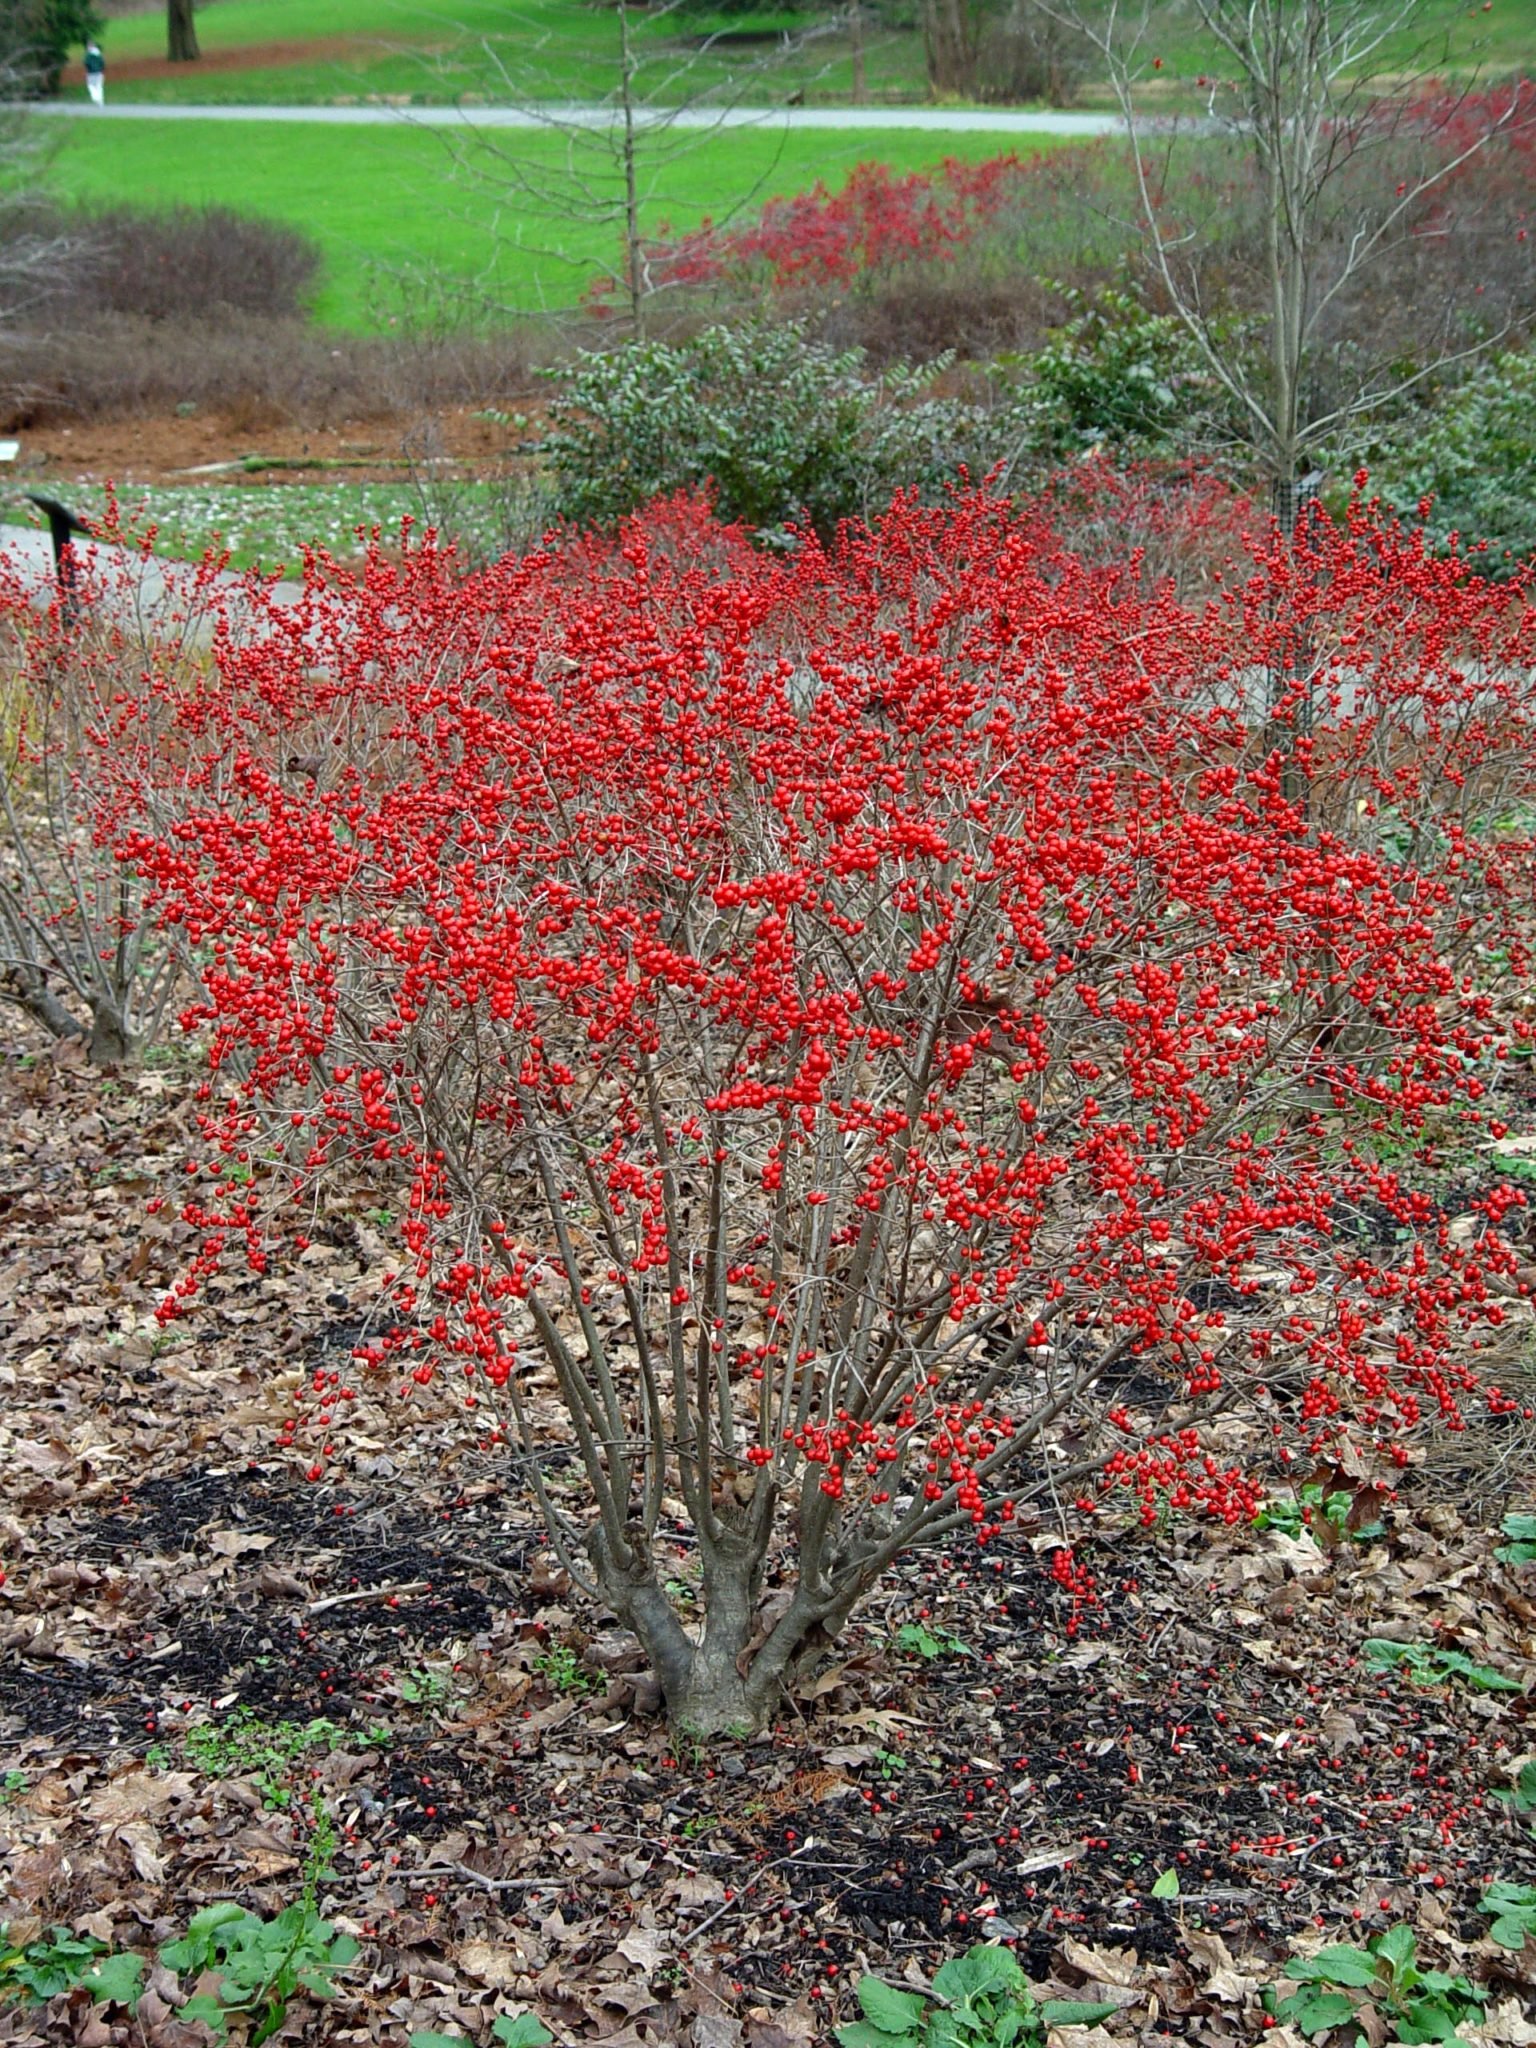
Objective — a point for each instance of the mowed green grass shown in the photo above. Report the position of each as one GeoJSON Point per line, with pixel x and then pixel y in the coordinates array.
{"type": "Point", "coordinates": [396, 215]}
{"type": "Point", "coordinates": [551, 49]}
{"type": "Point", "coordinates": [441, 50]}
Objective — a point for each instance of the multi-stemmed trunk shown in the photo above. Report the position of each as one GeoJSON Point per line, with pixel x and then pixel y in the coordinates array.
{"type": "Point", "coordinates": [180, 33]}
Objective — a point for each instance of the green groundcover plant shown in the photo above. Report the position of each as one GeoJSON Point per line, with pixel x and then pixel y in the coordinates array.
{"type": "Point", "coordinates": [1353, 1993]}
{"type": "Point", "coordinates": [1512, 1909]}
{"type": "Point", "coordinates": [254, 1967]}
{"type": "Point", "coordinates": [979, 2000]}
{"type": "Point", "coordinates": [1437, 1664]}
{"type": "Point", "coordinates": [1521, 1547]}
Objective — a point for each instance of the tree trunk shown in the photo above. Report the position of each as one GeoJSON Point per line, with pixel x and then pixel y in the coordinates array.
{"type": "Point", "coordinates": [109, 1044]}
{"type": "Point", "coordinates": [728, 1680]}
{"type": "Point", "coordinates": [180, 35]}
{"type": "Point", "coordinates": [633, 275]}
{"type": "Point", "coordinates": [27, 987]}
{"type": "Point", "coordinates": [949, 42]}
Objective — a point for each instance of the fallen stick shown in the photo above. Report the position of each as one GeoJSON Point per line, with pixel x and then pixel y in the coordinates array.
{"type": "Point", "coordinates": [368, 1593]}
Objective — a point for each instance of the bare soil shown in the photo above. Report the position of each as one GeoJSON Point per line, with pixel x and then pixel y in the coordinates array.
{"type": "Point", "coordinates": [170, 450]}
{"type": "Point", "coordinates": [243, 57]}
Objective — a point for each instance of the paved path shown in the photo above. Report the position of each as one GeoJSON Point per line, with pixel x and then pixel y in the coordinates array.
{"type": "Point", "coordinates": [141, 594]}
{"type": "Point", "coordinates": [909, 120]}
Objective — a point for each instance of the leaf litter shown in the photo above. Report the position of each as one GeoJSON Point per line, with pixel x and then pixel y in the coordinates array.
{"type": "Point", "coordinates": [507, 1821]}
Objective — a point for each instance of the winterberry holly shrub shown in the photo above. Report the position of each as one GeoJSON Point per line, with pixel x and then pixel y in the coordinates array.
{"type": "Point", "coordinates": [865, 1043]}
{"type": "Point", "coordinates": [87, 711]}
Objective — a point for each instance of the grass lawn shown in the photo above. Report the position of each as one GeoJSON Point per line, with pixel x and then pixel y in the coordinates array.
{"type": "Point", "coordinates": [264, 526]}
{"type": "Point", "coordinates": [396, 222]}
{"type": "Point", "coordinates": [438, 50]}
{"type": "Point", "coordinates": [555, 49]}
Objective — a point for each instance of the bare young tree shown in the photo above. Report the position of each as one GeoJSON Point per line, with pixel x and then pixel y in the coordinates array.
{"type": "Point", "coordinates": [616, 160]}
{"type": "Point", "coordinates": [1340, 185]}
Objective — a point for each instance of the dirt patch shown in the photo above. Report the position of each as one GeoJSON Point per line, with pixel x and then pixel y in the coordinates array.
{"type": "Point", "coordinates": [172, 450]}
{"type": "Point", "coordinates": [243, 57]}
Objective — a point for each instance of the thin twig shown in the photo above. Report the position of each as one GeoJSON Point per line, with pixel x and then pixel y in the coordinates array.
{"type": "Point", "coordinates": [490, 1884]}
{"type": "Point", "coordinates": [369, 1593]}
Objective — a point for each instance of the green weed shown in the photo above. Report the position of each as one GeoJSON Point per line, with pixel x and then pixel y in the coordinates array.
{"type": "Point", "coordinates": [259, 1964]}
{"type": "Point", "coordinates": [1522, 1795]}
{"type": "Point", "coordinates": [1336, 1983]}
{"type": "Point", "coordinates": [56, 1961]}
{"type": "Point", "coordinates": [245, 1746]}
{"type": "Point", "coordinates": [930, 1644]}
{"type": "Point", "coordinates": [253, 1967]}
{"type": "Point", "coordinates": [1521, 1547]}
{"type": "Point", "coordinates": [561, 1672]}
{"type": "Point", "coordinates": [979, 2000]}
{"type": "Point", "coordinates": [1428, 1664]}
{"type": "Point", "coordinates": [523, 2032]}
{"type": "Point", "coordinates": [1292, 1516]}
{"type": "Point", "coordinates": [1511, 1908]}
{"type": "Point", "coordinates": [423, 1688]}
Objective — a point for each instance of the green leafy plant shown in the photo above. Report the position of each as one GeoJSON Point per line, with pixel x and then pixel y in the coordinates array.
{"type": "Point", "coordinates": [423, 1688]}
{"type": "Point", "coordinates": [1473, 455]}
{"type": "Point", "coordinates": [523, 2032]}
{"type": "Point", "coordinates": [254, 1966]}
{"type": "Point", "coordinates": [116, 1980]}
{"type": "Point", "coordinates": [1522, 1797]}
{"type": "Point", "coordinates": [931, 1643]}
{"type": "Point", "coordinates": [319, 1856]}
{"type": "Point", "coordinates": [561, 1672]}
{"type": "Point", "coordinates": [259, 1964]}
{"type": "Point", "coordinates": [979, 2000]}
{"type": "Point", "coordinates": [782, 427]}
{"type": "Point", "coordinates": [1521, 1547]}
{"type": "Point", "coordinates": [1303, 1510]}
{"type": "Point", "coordinates": [1291, 1515]}
{"type": "Point", "coordinates": [1337, 1985]}
{"type": "Point", "coordinates": [245, 1746]}
{"type": "Point", "coordinates": [1512, 1909]}
{"type": "Point", "coordinates": [12, 1785]}
{"type": "Point", "coordinates": [1112, 376]}
{"type": "Point", "coordinates": [1428, 1664]}
{"type": "Point", "coordinates": [56, 1961]}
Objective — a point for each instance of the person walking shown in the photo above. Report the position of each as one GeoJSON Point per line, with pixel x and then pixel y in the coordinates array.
{"type": "Point", "coordinates": [95, 74]}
